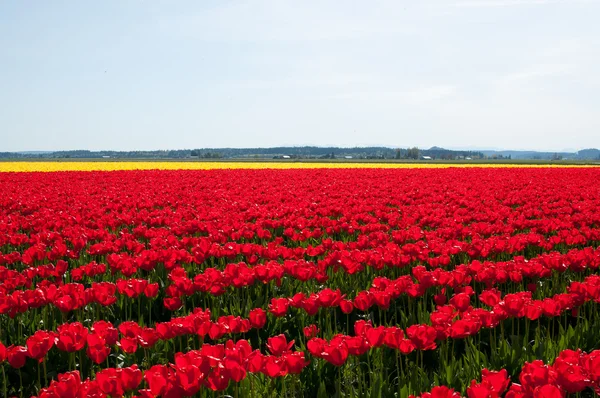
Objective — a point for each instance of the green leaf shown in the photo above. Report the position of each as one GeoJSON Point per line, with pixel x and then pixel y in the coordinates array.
{"type": "Point", "coordinates": [404, 391]}
{"type": "Point", "coordinates": [376, 388]}
{"type": "Point", "coordinates": [322, 392]}
{"type": "Point", "coordinates": [449, 375]}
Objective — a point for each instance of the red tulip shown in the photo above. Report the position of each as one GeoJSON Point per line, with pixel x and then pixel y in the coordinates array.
{"type": "Point", "coordinates": [172, 303]}
{"type": "Point", "coordinates": [158, 378]}
{"type": "Point", "coordinates": [481, 391]}
{"type": "Point", "coordinates": [461, 301]}
{"type": "Point", "coordinates": [346, 306]}
{"type": "Point", "coordinates": [71, 337]}
{"type": "Point", "coordinates": [110, 382]}
{"type": "Point", "coordinates": [3, 353]}
{"type": "Point", "coordinates": [147, 337]}
{"type": "Point", "coordinates": [422, 336]}
{"type": "Point", "coordinates": [497, 381]}
{"type": "Point", "coordinates": [279, 306]}
{"type": "Point", "coordinates": [258, 318]}
{"type": "Point", "coordinates": [131, 377]}
{"type": "Point", "coordinates": [356, 345]}
{"type": "Point", "coordinates": [548, 391]}
{"type": "Point", "coordinates": [39, 344]}
{"type": "Point", "coordinates": [278, 345]}
{"type": "Point", "coordinates": [151, 290]}
{"type": "Point", "coordinates": [376, 336]}
{"type": "Point", "coordinates": [440, 299]}
{"type": "Point", "coordinates": [107, 331]}
{"type": "Point", "coordinates": [295, 362]}
{"type": "Point", "coordinates": [336, 354]}
{"type": "Point", "coordinates": [310, 331]}
{"type": "Point", "coordinates": [97, 349]}
{"type": "Point", "coordinates": [16, 356]}
{"type": "Point", "coordinates": [490, 297]}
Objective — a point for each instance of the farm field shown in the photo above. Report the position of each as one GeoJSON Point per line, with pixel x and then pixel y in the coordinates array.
{"type": "Point", "coordinates": [113, 165]}
{"type": "Point", "coordinates": [313, 282]}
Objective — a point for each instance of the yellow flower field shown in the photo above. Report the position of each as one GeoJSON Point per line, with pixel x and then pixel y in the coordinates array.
{"type": "Point", "coordinates": [49, 166]}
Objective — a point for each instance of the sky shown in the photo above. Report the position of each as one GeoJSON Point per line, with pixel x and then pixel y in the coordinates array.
{"type": "Point", "coordinates": [153, 74]}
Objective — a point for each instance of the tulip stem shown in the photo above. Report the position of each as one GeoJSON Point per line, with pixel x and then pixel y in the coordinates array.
{"type": "Point", "coordinates": [335, 319]}
{"type": "Point", "coordinates": [339, 382]}
{"type": "Point", "coordinates": [347, 324]}
{"type": "Point", "coordinates": [4, 381]}
{"type": "Point", "coordinates": [398, 371]}
{"type": "Point", "coordinates": [21, 383]}
{"type": "Point", "coordinates": [512, 324]}
{"type": "Point", "coordinates": [81, 362]}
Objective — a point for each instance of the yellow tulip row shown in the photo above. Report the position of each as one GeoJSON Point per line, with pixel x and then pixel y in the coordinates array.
{"type": "Point", "coordinates": [47, 166]}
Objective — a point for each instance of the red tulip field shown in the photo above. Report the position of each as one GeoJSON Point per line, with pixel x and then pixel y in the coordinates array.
{"type": "Point", "coordinates": [455, 282]}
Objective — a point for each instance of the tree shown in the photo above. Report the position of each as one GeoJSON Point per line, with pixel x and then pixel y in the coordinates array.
{"type": "Point", "coordinates": [413, 153]}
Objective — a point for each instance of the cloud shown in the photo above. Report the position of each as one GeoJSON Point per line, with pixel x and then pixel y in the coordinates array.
{"type": "Point", "coordinates": [575, 59]}
{"type": "Point", "coordinates": [285, 20]}
{"type": "Point", "coordinates": [416, 96]}
{"type": "Point", "coordinates": [511, 3]}
{"type": "Point", "coordinates": [539, 71]}
{"type": "Point", "coordinates": [323, 80]}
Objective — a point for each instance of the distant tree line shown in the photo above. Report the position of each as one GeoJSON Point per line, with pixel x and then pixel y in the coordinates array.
{"type": "Point", "coordinates": [436, 153]}
{"type": "Point", "coordinates": [197, 153]}
{"type": "Point", "coordinates": [307, 152]}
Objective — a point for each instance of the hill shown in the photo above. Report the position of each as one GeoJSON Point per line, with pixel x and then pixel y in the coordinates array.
{"type": "Point", "coordinates": [310, 152]}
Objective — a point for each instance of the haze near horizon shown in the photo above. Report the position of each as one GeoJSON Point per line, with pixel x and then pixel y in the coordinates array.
{"type": "Point", "coordinates": [146, 75]}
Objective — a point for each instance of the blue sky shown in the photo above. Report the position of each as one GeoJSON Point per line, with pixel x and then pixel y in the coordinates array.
{"type": "Point", "coordinates": [135, 74]}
